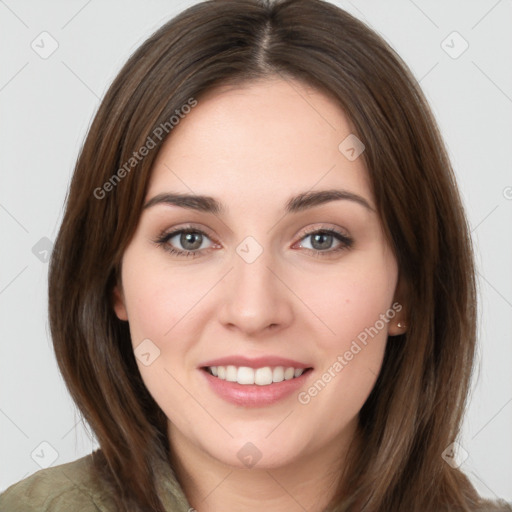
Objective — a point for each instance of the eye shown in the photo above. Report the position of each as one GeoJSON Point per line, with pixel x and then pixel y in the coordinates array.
{"type": "Point", "coordinates": [190, 242]}
{"type": "Point", "coordinates": [190, 239]}
{"type": "Point", "coordinates": [322, 240]}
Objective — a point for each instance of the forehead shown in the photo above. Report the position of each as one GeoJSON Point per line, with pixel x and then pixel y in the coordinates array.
{"type": "Point", "coordinates": [271, 137]}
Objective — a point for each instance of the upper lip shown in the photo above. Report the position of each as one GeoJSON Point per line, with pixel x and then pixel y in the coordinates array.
{"type": "Point", "coordinates": [257, 362]}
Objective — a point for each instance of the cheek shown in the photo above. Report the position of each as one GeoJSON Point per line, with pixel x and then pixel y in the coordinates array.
{"type": "Point", "coordinates": [157, 300]}
{"type": "Point", "coordinates": [352, 302]}
{"type": "Point", "coordinates": [160, 307]}
{"type": "Point", "coordinates": [357, 307]}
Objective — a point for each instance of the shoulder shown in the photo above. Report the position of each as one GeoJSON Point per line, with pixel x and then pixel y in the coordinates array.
{"type": "Point", "coordinates": [71, 486]}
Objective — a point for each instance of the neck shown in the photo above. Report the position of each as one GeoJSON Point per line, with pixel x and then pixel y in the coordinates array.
{"type": "Point", "coordinates": [308, 483]}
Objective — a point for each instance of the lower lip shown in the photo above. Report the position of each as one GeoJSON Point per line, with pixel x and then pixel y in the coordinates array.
{"type": "Point", "coordinates": [252, 395]}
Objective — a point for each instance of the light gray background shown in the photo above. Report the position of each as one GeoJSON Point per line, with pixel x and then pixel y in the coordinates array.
{"type": "Point", "coordinates": [46, 107]}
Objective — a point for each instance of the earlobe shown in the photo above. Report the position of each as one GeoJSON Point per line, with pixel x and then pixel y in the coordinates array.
{"type": "Point", "coordinates": [118, 303]}
{"type": "Point", "coordinates": [397, 327]}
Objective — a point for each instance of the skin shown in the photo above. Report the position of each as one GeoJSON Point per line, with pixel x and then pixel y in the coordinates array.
{"type": "Point", "coordinates": [252, 148]}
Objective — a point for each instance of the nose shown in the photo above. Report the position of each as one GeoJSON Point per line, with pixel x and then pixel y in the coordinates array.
{"type": "Point", "coordinates": [255, 296]}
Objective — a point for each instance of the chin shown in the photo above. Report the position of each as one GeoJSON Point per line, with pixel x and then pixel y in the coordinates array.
{"type": "Point", "coordinates": [254, 452]}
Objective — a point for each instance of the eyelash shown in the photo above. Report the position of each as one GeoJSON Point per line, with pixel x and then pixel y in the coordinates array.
{"type": "Point", "coordinates": [163, 239]}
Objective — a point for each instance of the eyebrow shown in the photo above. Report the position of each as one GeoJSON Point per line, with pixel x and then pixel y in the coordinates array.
{"type": "Point", "coordinates": [295, 204]}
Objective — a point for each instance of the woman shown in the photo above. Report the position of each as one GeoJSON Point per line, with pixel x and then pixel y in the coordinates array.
{"type": "Point", "coordinates": [262, 293]}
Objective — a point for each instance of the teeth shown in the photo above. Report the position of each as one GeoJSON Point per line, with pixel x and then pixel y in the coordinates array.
{"type": "Point", "coordinates": [260, 376]}
{"type": "Point", "coordinates": [231, 373]}
{"type": "Point", "coordinates": [263, 376]}
{"type": "Point", "coordinates": [245, 375]}
{"type": "Point", "coordinates": [278, 374]}
{"type": "Point", "coordinates": [289, 373]}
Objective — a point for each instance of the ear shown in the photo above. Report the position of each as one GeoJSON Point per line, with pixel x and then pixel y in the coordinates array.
{"type": "Point", "coordinates": [399, 323]}
{"type": "Point", "coordinates": [118, 303]}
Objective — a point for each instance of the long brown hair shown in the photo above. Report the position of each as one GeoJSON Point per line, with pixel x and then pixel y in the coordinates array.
{"type": "Point", "coordinates": [415, 409]}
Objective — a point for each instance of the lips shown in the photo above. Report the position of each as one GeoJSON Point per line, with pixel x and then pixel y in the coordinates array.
{"type": "Point", "coordinates": [254, 382]}
{"type": "Point", "coordinates": [257, 362]}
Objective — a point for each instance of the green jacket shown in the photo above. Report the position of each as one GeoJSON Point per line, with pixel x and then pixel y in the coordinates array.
{"type": "Point", "coordinates": [75, 487]}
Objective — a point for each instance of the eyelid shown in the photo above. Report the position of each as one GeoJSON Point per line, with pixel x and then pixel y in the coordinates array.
{"type": "Point", "coordinates": [324, 227]}
{"type": "Point", "coordinates": [186, 227]}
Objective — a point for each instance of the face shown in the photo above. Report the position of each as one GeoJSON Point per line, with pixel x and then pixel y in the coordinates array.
{"type": "Point", "coordinates": [223, 296]}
